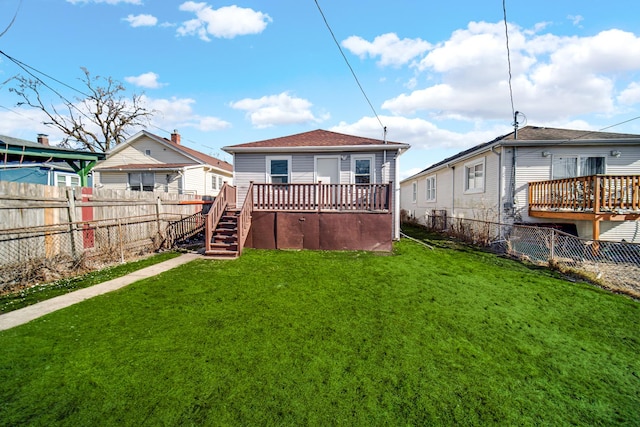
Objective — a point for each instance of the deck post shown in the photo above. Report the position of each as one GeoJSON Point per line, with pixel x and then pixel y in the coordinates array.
{"type": "Point", "coordinates": [320, 196]}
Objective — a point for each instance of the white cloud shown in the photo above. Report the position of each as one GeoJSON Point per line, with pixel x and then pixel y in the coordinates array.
{"type": "Point", "coordinates": [420, 133]}
{"type": "Point", "coordinates": [225, 22]}
{"type": "Point", "coordinates": [630, 95]}
{"type": "Point", "coordinates": [576, 19]}
{"type": "Point", "coordinates": [273, 110]}
{"type": "Point", "coordinates": [141, 20]}
{"type": "Point", "coordinates": [179, 113]}
{"type": "Point", "coordinates": [148, 80]}
{"type": "Point", "coordinates": [137, 2]}
{"type": "Point", "coordinates": [27, 123]}
{"type": "Point", "coordinates": [554, 78]}
{"type": "Point", "coordinates": [390, 49]}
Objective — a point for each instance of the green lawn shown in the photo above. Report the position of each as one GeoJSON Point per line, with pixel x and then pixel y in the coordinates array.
{"type": "Point", "coordinates": [450, 336]}
{"type": "Point", "coordinates": [44, 291]}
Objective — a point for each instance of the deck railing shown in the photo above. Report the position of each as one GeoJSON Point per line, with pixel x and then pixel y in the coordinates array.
{"type": "Point", "coordinates": [594, 193]}
{"type": "Point", "coordinates": [226, 197]}
{"type": "Point", "coordinates": [322, 197]}
{"type": "Point", "coordinates": [244, 219]}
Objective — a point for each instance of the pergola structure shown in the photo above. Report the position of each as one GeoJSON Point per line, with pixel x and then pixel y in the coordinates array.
{"type": "Point", "coordinates": [14, 150]}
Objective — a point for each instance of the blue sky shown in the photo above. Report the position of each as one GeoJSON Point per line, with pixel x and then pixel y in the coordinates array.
{"type": "Point", "coordinates": [436, 73]}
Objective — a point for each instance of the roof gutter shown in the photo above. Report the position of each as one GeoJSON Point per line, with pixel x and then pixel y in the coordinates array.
{"type": "Point", "coordinates": [309, 149]}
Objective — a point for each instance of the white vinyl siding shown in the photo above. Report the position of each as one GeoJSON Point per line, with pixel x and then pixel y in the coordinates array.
{"type": "Point", "coordinates": [195, 181]}
{"type": "Point", "coordinates": [136, 153]}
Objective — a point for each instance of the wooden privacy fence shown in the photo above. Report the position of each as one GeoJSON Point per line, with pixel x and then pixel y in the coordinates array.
{"type": "Point", "coordinates": [46, 232]}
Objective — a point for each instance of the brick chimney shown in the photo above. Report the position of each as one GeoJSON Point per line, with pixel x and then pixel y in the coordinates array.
{"type": "Point", "coordinates": [43, 139]}
{"type": "Point", "coordinates": [175, 137]}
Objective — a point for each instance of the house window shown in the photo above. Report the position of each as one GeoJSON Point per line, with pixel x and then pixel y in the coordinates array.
{"type": "Point", "coordinates": [474, 177]}
{"type": "Point", "coordinates": [571, 167]}
{"type": "Point", "coordinates": [147, 152]}
{"type": "Point", "coordinates": [362, 168]}
{"type": "Point", "coordinates": [279, 170]}
{"type": "Point", "coordinates": [144, 181]}
{"type": "Point", "coordinates": [214, 182]}
{"type": "Point", "coordinates": [431, 188]}
{"type": "Point", "coordinates": [220, 182]}
{"type": "Point", "coordinates": [64, 180]}
{"type": "Point", "coordinates": [414, 191]}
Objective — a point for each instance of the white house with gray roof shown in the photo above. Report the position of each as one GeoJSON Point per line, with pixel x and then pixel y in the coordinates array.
{"type": "Point", "coordinates": [586, 182]}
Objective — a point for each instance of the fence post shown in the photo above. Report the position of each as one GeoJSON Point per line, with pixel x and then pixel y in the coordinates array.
{"type": "Point", "coordinates": [158, 208]}
{"type": "Point", "coordinates": [71, 210]}
{"type": "Point", "coordinates": [553, 244]}
{"type": "Point", "coordinates": [120, 238]}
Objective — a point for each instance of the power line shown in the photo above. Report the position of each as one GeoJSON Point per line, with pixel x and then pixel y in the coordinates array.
{"type": "Point", "coordinates": [349, 65]}
{"type": "Point", "coordinates": [25, 66]}
{"type": "Point", "coordinates": [15, 15]}
{"type": "Point", "coordinates": [506, 33]}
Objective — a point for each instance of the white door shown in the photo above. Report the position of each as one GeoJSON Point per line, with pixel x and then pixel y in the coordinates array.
{"type": "Point", "coordinates": [328, 172]}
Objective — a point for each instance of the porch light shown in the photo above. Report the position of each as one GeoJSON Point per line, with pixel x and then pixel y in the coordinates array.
{"type": "Point", "coordinates": [546, 153]}
{"type": "Point", "coordinates": [615, 153]}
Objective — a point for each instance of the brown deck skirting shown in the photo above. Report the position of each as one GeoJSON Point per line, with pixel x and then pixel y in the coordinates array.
{"type": "Point", "coordinates": [325, 231]}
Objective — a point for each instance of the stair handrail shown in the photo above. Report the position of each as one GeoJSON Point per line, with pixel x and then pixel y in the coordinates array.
{"type": "Point", "coordinates": [244, 218]}
{"type": "Point", "coordinates": [216, 211]}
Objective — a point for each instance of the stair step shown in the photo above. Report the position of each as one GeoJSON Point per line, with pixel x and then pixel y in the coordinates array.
{"type": "Point", "coordinates": [222, 254]}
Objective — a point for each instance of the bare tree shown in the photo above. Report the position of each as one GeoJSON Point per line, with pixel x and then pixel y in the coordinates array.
{"type": "Point", "coordinates": [97, 122]}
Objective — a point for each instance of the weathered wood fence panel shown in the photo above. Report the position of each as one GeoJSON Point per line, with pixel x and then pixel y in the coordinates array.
{"type": "Point", "coordinates": [44, 227]}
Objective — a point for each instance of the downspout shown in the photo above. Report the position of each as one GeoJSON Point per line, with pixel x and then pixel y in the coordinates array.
{"type": "Point", "coordinates": [499, 154]}
{"type": "Point", "coordinates": [396, 198]}
{"type": "Point", "coordinates": [453, 190]}
{"type": "Point", "coordinates": [385, 178]}
{"type": "Point", "coordinates": [512, 195]}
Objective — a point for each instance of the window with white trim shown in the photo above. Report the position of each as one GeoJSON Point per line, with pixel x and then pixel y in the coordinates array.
{"type": "Point", "coordinates": [67, 180]}
{"type": "Point", "coordinates": [431, 188]}
{"type": "Point", "coordinates": [220, 182]}
{"type": "Point", "coordinates": [141, 181]}
{"type": "Point", "coordinates": [414, 191]}
{"type": "Point", "coordinates": [279, 169]}
{"type": "Point", "coordinates": [362, 169]}
{"type": "Point", "coordinates": [474, 177]}
{"type": "Point", "coordinates": [214, 182]}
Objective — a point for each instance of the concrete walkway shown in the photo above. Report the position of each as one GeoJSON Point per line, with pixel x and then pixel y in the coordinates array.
{"type": "Point", "coordinates": [27, 314]}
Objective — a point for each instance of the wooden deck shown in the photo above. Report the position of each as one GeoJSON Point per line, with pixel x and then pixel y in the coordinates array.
{"type": "Point", "coordinates": [593, 198]}
{"type": "Point", "coordinates": [311, 198]}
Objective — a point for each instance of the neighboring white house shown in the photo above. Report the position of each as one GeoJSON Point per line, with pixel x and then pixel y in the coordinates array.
{"type": "Point", "coordinates": [319, 155]}
{"type": "Point", "coordinates": [491, 182]}
{"type": "Point", "coordinates": [148, 162]}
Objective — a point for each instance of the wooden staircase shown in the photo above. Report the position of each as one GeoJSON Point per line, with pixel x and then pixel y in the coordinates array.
{"type": "Point", "coordinates": [224, 241]}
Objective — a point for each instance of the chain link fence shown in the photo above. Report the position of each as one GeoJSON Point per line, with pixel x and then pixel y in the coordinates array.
{"type": "Point", "coordinates": [614, 265]}
{"type": "Point", "coordinates": [43, 254]}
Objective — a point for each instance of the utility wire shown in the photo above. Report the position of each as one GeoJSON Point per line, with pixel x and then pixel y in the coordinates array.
{"type": "Point", "coordinates": [349, 65]}
{"type": "Point", "coordinates": [15, 15]}
{"type": "Point", "coordinates": [506, 33]}
{"type": "Point", "coordinates": [25, 66]}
